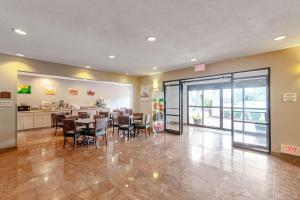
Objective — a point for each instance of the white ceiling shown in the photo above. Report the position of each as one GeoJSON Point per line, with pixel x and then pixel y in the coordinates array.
{"type": "Point", "coordinates": [85, 32]}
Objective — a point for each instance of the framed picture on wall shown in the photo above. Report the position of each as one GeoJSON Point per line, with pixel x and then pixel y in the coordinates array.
{"type": "Point", "coordinates": [24, 89]}
{"type": "Point", "coordinates": [91, 92]}
{"type": "Point", "coordinates": [50, 90]}
{"type": "Point", "coordinates": [73, 91]}
{"type": "Point", "coordinates": [145, 93]}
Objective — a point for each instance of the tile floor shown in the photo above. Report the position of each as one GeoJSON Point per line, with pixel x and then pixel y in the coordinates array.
{"type": "Point", "coordinates": [200, 164]}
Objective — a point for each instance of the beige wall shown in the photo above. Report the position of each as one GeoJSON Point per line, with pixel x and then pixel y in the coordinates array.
{"type": "Point", "coordinates": [285, 77]}
{"type": "Point", "coordinates": [9, 66]}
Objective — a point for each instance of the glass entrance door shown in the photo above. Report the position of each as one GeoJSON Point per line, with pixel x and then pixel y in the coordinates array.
{"type": "Point", "coordinates": [251, 110]}
{"type": "Point", "coordinates": [173, 112]}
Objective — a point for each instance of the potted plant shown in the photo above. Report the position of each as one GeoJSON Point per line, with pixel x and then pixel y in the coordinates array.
{"type": "Point", "coordinates": [197, 118]}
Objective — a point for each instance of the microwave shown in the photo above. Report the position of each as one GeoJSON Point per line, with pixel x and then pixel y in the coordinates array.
{"type": "Point", "coordinates": [23, 108]}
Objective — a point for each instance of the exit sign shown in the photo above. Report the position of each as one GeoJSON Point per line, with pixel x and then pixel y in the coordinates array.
{"type": "Point", "coordinates": [199, 67]}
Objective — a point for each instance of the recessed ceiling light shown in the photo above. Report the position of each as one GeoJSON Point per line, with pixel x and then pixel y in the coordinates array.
{"type": "Point", "coordinates": [20, 55]}
{"type": "Point", "coordinates": [111, 56]}
{"type": "Point", "coordinates": [155, 68]}
{"type": "Point", "coordinates": [194, 59]}
{"type": "Point", "coordinates": [281, 37]}
{"type": "Point", "coordinates": [151, 39]}
{"type": "Point", "coordinates": [19, 31]}
{"type": "Point", "coordinates": [88, 67]}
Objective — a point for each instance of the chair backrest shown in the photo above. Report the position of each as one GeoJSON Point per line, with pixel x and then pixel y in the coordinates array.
{"type": "Point", "coordinates": [123, 120]}
{"type": "Point", "coordinates": [147, 120]}
{"type": "Point", "coordinates": [98, 117]}
{"type": "Point", "coordinates": [69, 125]}
{"type": "Point", "coordinates": [59, 117]}
{"type": "Point", "coordinates": [138, 116]}
{"type": "Point", "coordinates": [106, 114]}
{"type": "Point", "coordinates": [101, 124]}
{"type": "Point", "coordinates": [128, 111]}
{"type": "Point", "coordinates": [83, 115]}
{"type": "Point", "coordinates": [74, 117]}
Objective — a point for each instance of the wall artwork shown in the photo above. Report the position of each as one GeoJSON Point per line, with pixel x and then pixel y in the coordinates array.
{"type": "Point", "coordinates": [145, 93]}
{"type": "Point", "coordinates": [24, 89]}
{"type": "Point", "coordinates": [5, 95]}
{"type": "Point", "coordinates": [50, 90]}
{"type": "Point", "coordinates": [73, 91]}
{"type": "Point", "coordinates": [91, 92]}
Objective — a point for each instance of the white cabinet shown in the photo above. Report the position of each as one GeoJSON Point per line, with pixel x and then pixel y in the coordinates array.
{"type": "Point", "coordinates": [24, 121]}
{"type": "Point", "coordinates": [38, 120]}
{"type": "Point", "coordinates": [27, 120]}
{"type": "Point", "coordinates": [20, 123]}
{"type": "Point", "coordinates": [47, 119]}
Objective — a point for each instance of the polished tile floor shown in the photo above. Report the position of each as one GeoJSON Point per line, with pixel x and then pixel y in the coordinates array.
{"type": "Point", "coordinates": [200, 164]}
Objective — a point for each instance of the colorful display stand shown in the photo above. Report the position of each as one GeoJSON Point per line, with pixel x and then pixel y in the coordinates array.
{"type": "Point", "coordinates": [158, 112]}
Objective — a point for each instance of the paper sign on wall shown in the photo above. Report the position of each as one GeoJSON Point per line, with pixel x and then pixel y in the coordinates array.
{"type": "Point", "coordinates": [289, 97]}
{"type": "Point", "coordinates": [6, 103]}
{"type": "Point", "coordinates": [91, 92]}
{"type": "Point", "coordinates": [50, 90]}
{"type": "Point", "coordinates": [24, 89]}
{"type": "Point", "coordinates": [73, 91]}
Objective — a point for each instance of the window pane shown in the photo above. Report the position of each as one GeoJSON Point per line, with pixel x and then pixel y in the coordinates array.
{"type": "Point", "coordinates": [238, 97]}
{"type": "Point", "coordinates": [195, 98]}
{"type": "Point", "coordinates": [238, 126]}
{"type": "Point", "coordinates": [258, 129]}
{"type": "Point", "coordinates": [172, 97]}
{"type": "Point", "coordinates": [227, 98]}
{"type": "Point", "coordinates": [212, 117]}
{"type": "Point", "coordinates": [238, 114]}
{"type": "Point", "coordinates": [256, 116]}
{"type": "Point", "coordinates": [255, 97]}
{"type": "Point", "coordinates": [212, 98]}
{"type": "Point", "coordinates": [172, 123]}
{"type": "Point", "coordinates": [227, 118]}
{"type": "Point", "coordinates": [195, 116]}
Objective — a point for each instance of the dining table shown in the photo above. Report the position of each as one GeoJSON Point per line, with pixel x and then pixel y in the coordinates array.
{"type": "Point", "coordinates": [86, 123]}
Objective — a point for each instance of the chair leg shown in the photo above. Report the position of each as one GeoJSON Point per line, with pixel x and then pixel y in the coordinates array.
{"type": "Point", "coordinates": [65, 141]}
{"type": "Point", "coordinates": [74, 144]}
{"type": "Point", "coordinates": [96, 142]}
{"type": "Point", "coordinates": [149, 131]}
{"type": "Point", "coordinates": [55, 130]}
{"type": "Point", "coordinates": [105, 137]}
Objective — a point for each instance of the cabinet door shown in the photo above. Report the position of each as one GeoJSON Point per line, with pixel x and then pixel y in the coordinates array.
{"type": "Point", "coordinates": [38, 122]}
{"type": "Point", "coordinates": [47, 120]}
{"type": "Point", "coordinates": [28, 122]}
{"type": "Point", "coordinates": [20, 123]}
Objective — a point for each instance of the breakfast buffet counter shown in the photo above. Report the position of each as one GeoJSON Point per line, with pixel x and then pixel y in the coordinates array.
{"type": "Point", "coordinates": [43, 118]}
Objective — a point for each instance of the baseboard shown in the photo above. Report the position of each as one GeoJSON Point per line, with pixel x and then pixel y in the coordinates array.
{"type": "Point", "coordinates": [292, 158]}
{"type": "Point", "coordinates": [8, 149]}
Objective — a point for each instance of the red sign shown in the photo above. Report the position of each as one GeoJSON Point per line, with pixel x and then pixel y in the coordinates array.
{"type": "Point", "coordinates": [199, 67]}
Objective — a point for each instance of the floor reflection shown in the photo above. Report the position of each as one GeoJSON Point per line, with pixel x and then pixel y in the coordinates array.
{"type": "Point", "coordinates": [200, 164]}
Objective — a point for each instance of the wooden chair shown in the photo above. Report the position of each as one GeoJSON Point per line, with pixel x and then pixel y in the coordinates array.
{"type": "Point", "coordinates": [99, 117]}
{"type": "Point", "coordinates": [100, 129]}
{"type": "Point", "coordinates": [137, 118]}
{"type": "Point", "coordinates": [145, 126]}
{"type": "Point", "coordinates": [59, 117]}
{"type": "Point", "coordinates": [124, 125]}
{"type": "Point", "coordinates": [128, 111]}
{"type": "Point", "coordinates": [83, 115]}
{"type": "Point", "coordinates": [70, 130]}
{"type": "Point", "coordinates": [115, 123]}
{"type": "Point", "coordinates": [106, 114]}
